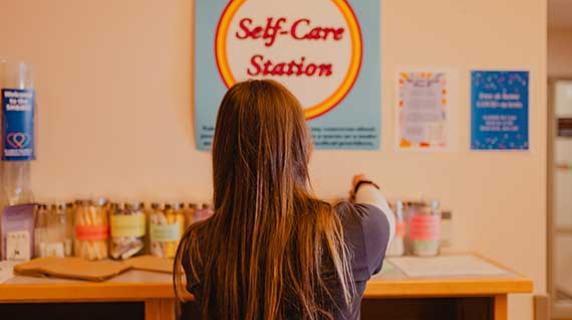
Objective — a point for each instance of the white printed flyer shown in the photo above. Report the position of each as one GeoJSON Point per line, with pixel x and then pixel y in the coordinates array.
{"type": "Point", "coordinates": [423, 111]}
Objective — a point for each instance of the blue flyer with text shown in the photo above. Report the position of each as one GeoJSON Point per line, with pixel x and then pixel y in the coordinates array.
{"type": "Point", "coordinates": [499, 110]}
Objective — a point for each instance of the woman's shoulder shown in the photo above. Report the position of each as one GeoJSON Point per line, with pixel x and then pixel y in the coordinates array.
{"type": "Point", "coordinates": [366, 232]}
{"type": "Point", "coordinates": [366, 221]}
{"type": "Point", "coordinates": [347, 210]}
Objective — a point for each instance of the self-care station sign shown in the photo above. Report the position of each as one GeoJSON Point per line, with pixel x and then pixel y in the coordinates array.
{"type": "Point", "coordinates": [327, 52]}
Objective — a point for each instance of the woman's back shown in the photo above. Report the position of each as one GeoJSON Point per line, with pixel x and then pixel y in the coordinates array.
{"type": "Point", "coordinates": [271, 250]}
{"type": "Point", "coordinates": [366, 233]}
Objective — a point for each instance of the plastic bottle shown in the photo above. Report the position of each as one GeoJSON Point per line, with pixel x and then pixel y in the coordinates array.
{"type": "Point", "coordinates": [17, 78]}
{"type": "Point", "coordinates": [18, 107]}
{"type": "Point", "coordinates": [397, 247]}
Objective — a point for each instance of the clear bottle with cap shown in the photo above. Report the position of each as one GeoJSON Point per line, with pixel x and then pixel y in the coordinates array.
{"type": "Point", "coordinates": [17, 96]}
{"type": "Point", "coordinates": [397, 247]}
{"type": "Point", "coordinates": [18, 111]}
{"type": "Point", "coordinates": [41, 230]}
{"type": "Point", "coordinates": [57, 237]}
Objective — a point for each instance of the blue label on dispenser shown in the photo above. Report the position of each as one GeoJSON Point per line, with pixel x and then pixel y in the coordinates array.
{"type": "Point", "coordinates": [18, 124]}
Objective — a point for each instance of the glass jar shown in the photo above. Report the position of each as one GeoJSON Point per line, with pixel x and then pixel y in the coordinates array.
{"type": "Point", "coordinates": [91, 230]}
{"type": "Point", "coordinates": [127, 230]}
{"type": "Point", "coordinates": [166, 227]}
{"type": "Point", "coordinates": [424, 229]}
{"type": "Point", "coordinates": [193, 208]}
{"type": "Point", "coordinates": [50, 234]}
{"type": "Point", "coordinates": [204, 213]}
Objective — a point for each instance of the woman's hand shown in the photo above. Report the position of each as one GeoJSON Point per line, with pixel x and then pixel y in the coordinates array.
{"type": "Point", "coordinates": [355, 180]}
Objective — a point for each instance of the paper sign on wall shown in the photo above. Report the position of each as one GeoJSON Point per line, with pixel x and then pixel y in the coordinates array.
{"type": "Point", "coordinates": [423, 115]}
{"type": "Point", "coordinates": [499, 110]}
{"type": "Point", "coordinates": [327, 52]}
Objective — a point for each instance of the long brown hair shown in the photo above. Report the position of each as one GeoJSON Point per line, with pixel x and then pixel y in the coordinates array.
{"type": "Point", "coordinates": [261, 255]}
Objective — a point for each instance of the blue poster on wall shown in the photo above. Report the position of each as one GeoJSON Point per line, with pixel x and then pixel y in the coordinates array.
{"type": "Point", "coordinates": [499, 110]}
{"type": "Point", "coordinates": [326, 53]}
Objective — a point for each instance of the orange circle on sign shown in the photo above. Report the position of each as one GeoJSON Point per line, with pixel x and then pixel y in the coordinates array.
{"type": "Point", "coordinates": [331, 101]}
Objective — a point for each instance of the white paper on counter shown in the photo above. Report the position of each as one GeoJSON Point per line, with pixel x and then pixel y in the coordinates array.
{"type": "Point", "coordinates": [446, 266]}
{"type": "Point", "coordinates": [6, 270]}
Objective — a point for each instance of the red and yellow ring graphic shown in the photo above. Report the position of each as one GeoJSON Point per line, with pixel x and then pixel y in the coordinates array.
{"type": "Point", "coordinates": [343, 89]}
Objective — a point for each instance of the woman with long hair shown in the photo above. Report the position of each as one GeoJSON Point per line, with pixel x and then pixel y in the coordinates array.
{"type": "Point", "coordinates": [272, 250]}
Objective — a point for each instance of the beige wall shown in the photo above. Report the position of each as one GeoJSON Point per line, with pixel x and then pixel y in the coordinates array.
{"type": "Point", "coordinates": [114, 81]}
{"type": "Point", "coordinates": [560, 53]}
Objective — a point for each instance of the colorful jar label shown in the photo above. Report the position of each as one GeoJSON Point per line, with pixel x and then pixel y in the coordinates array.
{"type": "Point", "coordinates": [91, 233]}
{"type": "Point", "coordinates": [425, 227]}
{"type": "Point", "coordinates": [165, 232]}
{"type": "Point", "coordinates": [18, 124]}
{"type": "Point", "coordinates": [128, 225]}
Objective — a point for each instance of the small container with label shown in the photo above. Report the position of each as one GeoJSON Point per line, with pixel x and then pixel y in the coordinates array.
{"type": "Point", "coordinates": [91, 230]}
{"type": "Point", "coordinates": [17, 232]}
{"type": "Point", "coordinates": [165, 230]}
{"type": "Point", "coordinates": [127, 231]}
{"type": "Point", "coordinates": [424, 229]}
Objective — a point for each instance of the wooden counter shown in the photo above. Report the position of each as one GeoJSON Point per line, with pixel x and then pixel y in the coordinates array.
{"type": "Point", "coordinates": [156, 290]}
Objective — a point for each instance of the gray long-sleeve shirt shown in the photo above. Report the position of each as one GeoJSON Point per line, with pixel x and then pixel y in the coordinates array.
{"type": "Point", "coordinates": [368, 227]}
